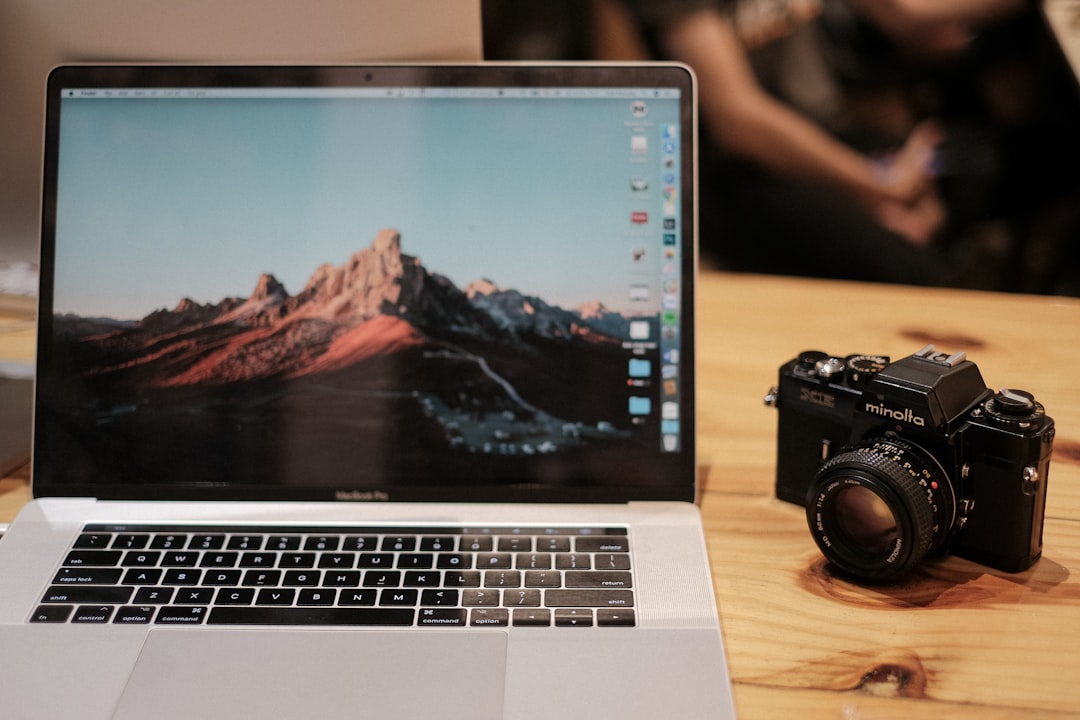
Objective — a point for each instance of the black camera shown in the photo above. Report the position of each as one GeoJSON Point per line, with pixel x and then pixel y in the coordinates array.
{"type": "Point", "coordinates": [895, 461]}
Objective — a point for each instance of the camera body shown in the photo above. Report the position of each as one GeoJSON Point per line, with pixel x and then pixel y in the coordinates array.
{"type": "Point", "coordinates": [898, 460]}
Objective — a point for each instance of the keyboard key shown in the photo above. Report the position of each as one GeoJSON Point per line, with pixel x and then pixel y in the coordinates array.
{"type": "Point", "coordinates": [378, 578]}
{"type": "Point", "coordinates": [168, 542]}
{"type": "Point", "coordinates": [154, 595]}
{"type": "Point", "coordinates": [258, 559]}
{"type": "Point", "coordinates": [476, 543]}
{"type": "Point", "coordinates": [439, 598]}
{"type": "Point", "coordinates": [542, 578]}
{"type": "Point", "coordinates": [173, 615]}
{"type": "Point", "coordinates": [322, 543]}
{"type": "Point", "coordinates": [532, 561]}
{"type": "Point", "coordinates": [398, 597]}
{"type": "Point", "coordinates": [131, 615]}
{"type": "Point", "coordinates": [316, 596]}
{"type": "Point", "coordinates": [194, 596]}
{"type": "Point", "coordinates": [283, 542]}
{"type": "Point", "coordinates": [597, 579]}
{"type": "Point", "coordinates": [611, 561]}
{"type": "Point", "coordinates": [262, 578]}
{"type": "Point", "coordinates": [219, 560]}
{"type": "Point", "coordinates": [415, 561]}
{"type": "Point", "coordinates": [357, 597]}
{"type": "Point", "coordinates": [486, 598]}
{"type": "Point", "coordinates": [130, 542]}
{"type": "Point", "coordinates": [515, 544]}
{"type": "Point", "coordinates": [604, 544]}
{"type": "Point", "coordinates": [297, 560]}
{"type": "Point", "coordinates": [142, 576]}
{"type": "Point", "coordinates": [489, 617]}
{"type": "Point", "coordinates": [347, 578]}
{"type": "Point", "coordinates": [93, 541]}
{"type": "Point", "coordinates": [423, 578]}
{"type": "Point", "coordinates": [235, 596]}
{"type": "Point", "coordinates": [437, 544]}
{"type": "Point", "coordinates": [454, 561]}
{"type": "Point", "coordinates": [93, 558]}
{"type": "Point", "coordinates": [89, 594]}
{"type": "Point", "coordinates": [375, 560]}
{"type": "Point", "coordinates": [398, 543]}
{"type": "Point", "coordinates": [179, 576]}
{"type": "Point", "coordinates": [276, 596]}
{"type": "Point", "coordinates": [556, 544]}
{"type": "Point", "coordinates": [573, 617]}
{"type": "Point", "coordinates": [221, 577]}
{"type": "Point", "coordinates": [52, 613]}
{"type": "Point", "coordinates": [92, 614]}
{"type": "Point", "coordinates": [443, 616]}
{"type": "Point", "coordinates": [337, 561]}
{"type": "Point", "coordinates": [461, 579]}
{"type": "Point", "coordinates": [608, 617]}
{"type": "Point", "coordinates": [180, 559]}
{"type": "Point", "coordinates": [245, 542]}
{"type": "Point", "coordinates": [492, 561]}
{"type": "Point", "coordinates": [87, 576]}
{"type": "Point", "coordinates": [573, 561]}
{"type": "Point", "coordinates": [521, 598]}
{"type": "Point", "coordinates": [502, 579]}
{"type": "Point", "coordinates": [360, 542]}
{"type": "Point", "coordinates": [589, 598]}
{"type": "Point", "coordinates": [311, 616]}
{"type": "Point", "coordinates": [212, 541]}
{"type": "Point", "coordinates": [532, 617]}
{"type": "Point", "coordinates": [142, 558]}
{"type": "Point", "coordinates": [302, 578]}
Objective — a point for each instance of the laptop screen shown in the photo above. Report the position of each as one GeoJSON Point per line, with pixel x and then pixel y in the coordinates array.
{"type": "Point", "coordinates": [380, 283]}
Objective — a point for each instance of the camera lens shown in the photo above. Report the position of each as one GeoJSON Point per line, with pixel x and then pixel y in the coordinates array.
{"type": "Point", "coordinates": [864, 519]}
{"type": "Point", "coordinates": [877, 510]}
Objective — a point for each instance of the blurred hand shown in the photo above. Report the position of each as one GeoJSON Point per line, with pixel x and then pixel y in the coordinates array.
{"type": "Point", "coordinates": [909, 204]}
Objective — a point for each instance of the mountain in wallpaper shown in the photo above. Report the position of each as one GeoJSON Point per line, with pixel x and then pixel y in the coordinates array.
{"type": "Point", "coordinates": [377, 353]}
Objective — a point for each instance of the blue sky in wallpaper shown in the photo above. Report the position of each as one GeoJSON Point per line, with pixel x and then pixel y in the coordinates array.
{"type": "Point", "coordinates": [165, 199]}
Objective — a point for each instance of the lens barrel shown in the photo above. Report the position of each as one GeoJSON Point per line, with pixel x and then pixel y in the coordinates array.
{"type": "Point", "coordinates": [876, 510]}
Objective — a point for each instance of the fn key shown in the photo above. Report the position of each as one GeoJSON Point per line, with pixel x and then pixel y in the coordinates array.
{"type": "Point", "coordinates": [52, 613]}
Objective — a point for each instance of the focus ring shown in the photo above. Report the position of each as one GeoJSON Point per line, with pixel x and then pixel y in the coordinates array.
{"type": "Point", "coordinates": [897, 474]}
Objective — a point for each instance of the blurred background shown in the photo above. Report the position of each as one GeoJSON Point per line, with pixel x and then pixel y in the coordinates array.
{"type": "Point", "coordinates": [966, 110]}
{"type": "Point", "coordinates": [915, 141]}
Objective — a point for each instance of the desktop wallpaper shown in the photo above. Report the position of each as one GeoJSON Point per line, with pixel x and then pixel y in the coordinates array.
{"type": "Point", "coordinates": [358, 293]}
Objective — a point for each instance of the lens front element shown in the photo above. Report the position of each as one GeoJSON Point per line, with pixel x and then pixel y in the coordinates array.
{"type": "Point", "coordinates": [864, 519]}
{"type": "Point", "coordinates": [879, 509]}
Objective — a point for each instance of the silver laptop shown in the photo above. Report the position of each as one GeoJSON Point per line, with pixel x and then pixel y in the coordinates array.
{"type": "Point", "coordinates": [364, 392]}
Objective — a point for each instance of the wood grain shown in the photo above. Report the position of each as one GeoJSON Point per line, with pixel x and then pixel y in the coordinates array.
{"type": "Point", "coordinates": [955, 640]}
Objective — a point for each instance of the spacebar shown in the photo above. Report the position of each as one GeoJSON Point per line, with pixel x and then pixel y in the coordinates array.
{"type": "Point", "coordinates": [310, 616]}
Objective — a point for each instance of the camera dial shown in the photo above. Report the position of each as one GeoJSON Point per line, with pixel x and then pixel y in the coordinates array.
{"type": "Point", "coordinates": [863, 367]}
{"type": "Point", "coordinates": [875, 511]}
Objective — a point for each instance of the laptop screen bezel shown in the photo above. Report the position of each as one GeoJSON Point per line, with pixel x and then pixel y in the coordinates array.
{"type": "Point", "coordinates": [677, 482]}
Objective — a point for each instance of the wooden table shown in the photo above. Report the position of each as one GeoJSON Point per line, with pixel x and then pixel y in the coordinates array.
{"type": "Point", "coordinates": [17, 344]}
{"type": "Point", "coordinates": [956, 640]}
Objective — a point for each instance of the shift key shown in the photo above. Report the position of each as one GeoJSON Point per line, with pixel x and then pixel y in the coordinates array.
{"type": "Point", "coordinates": [87, 594]}
{"type": "Point", "coordinates": [589, 598]}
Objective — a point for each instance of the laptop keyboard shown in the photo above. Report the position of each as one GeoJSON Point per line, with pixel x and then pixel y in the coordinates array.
{"type": "Point", "coordinates": [374, 576]}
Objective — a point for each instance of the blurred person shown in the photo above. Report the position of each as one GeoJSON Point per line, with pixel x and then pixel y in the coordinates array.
{"type": "Point", "coordinates": [780, 193]}
{"type": "Point", "coordinates": [992, 73]}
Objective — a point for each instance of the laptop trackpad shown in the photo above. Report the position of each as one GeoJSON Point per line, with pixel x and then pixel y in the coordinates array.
{"type": "Point", "coordinates": [316, 674]}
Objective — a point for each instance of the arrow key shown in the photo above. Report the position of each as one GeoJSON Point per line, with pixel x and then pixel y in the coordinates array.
{"type": "Point", "coordinates": [573, 617]}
